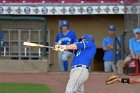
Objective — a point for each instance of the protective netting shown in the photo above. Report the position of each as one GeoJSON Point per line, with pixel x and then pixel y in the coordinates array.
{"type": "Point", "coordinates": [15, 32]}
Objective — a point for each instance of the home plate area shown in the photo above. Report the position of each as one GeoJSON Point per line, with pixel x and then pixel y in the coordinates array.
{"type": "Point", "coordinates": [57, 82]}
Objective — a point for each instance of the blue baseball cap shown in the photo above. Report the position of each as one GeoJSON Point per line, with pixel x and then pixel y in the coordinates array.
{"type": "Point", "coordinates": [112, 28]}
{"type": "Point", "coordinates": [64, 23]}
{"type": "Point", "coordinates": [88, 38]}
{"type": "Point", "coordinates": [137, 30]}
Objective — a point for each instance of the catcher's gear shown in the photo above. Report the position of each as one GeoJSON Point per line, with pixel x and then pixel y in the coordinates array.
{"type": "Point", "coordinates": [112, 79]}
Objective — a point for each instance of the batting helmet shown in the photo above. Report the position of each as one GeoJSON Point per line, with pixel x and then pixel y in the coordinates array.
{"type": "Point", "coordinates": [88, 38]}
{"type": "Point", "coordinates": [64, 23]}
{"type": "Point", "coordinates": [112, 27]}
{"type": "Point", "coordinates": [137, 30]}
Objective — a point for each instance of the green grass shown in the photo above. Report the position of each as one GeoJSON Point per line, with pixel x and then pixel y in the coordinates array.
{"type": "Point", "coordinates": [24, 88]}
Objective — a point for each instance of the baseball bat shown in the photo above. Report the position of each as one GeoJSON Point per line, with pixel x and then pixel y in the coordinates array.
{"type": "Point", "coordinates": [29, 44]}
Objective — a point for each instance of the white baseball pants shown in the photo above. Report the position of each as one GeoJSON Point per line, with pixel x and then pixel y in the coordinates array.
{"type": "Point", "coordinates": [77, 78]}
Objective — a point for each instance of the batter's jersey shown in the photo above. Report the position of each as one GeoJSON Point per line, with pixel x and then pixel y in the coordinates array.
{"type": "Point", "coordinates": [85, 53]}
{"type": "Point", "coordinates": [67, 38]}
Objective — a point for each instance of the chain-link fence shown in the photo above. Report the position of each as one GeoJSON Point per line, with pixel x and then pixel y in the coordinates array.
{"type": "Point", "coordinates": [18, 30]}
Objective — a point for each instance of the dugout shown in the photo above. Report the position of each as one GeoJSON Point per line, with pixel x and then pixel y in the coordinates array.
{"type": "Point", "coordinates": [97, 26]}
{"type": "Point", "coordinates": [18, 29]}
{"type": "Point", "coordinates": [92, 24]}
{"type": "Point", "coordinates": [38, 22]}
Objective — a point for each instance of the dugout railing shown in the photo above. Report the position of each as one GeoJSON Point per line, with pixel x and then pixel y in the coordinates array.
{"type": "Point", "coordinates": [16, 30]}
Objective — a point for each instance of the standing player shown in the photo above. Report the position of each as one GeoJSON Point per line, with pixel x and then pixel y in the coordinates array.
{"type": "Point", "coordinates": [107, 45]}
{"type": "Point", "coordinates": [84, 54]}
{"type": "Point", "coordinates": [65, 37]}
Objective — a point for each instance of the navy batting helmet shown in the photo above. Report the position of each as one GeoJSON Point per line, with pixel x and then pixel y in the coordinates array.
{"type": "Point", "coordinates": [112, 27]}
{"type": "Point", "coordinates": [64, 23]}
{"type": "Point", "coordinates": [88, 38]}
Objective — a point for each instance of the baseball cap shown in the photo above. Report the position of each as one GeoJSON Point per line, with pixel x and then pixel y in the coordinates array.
{"type": "Point", "coordinates": [137, 30]}
{"type": "Point", "coordinates": [64, 23]}
{"type": "Point", "coordinates": [112, 28]}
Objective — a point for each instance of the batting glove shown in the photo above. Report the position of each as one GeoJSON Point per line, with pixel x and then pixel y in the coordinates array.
{"type": "Point", "coordinates": [63, 48]}
{"type": "Point", "coordinates": [60, 47]}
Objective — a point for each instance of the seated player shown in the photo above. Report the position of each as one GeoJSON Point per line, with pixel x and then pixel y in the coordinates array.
{"type": "Point", "coordinates": [134, 47]}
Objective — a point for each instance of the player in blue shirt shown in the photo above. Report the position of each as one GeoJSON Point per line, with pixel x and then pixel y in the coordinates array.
{"type": "Point", "coordinates": [1, 39]}
{"type": "Point", "coordinates": [84, 55]}
{"type": "Point", "coordinates": [107, 45]}
{"type": "Point", "coordinates": [65, 37]}
{"type": "Point", "coordinates": [134, 46]}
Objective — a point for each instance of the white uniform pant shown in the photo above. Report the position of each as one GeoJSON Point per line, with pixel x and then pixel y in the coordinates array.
{"type": "Point", "coordinates": [77, 78]}
{"type": "Point", "coordinates": [109, 66]}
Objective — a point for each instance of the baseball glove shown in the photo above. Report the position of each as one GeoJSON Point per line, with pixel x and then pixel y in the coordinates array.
{"type": "Point", "coordinates": [112, 79]}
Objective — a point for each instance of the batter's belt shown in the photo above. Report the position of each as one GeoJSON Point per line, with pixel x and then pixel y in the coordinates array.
{"type": "Point", "coordinates": [75, 66]}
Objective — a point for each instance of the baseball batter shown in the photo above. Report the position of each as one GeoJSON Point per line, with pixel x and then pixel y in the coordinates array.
{"type": "Point", "coordinates": [65, 37]}
{"type": "Point", "coordinates": [84, 54]}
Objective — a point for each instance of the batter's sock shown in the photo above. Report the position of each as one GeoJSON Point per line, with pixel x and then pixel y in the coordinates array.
{"type": "Point", "coordinates": [65, 63]}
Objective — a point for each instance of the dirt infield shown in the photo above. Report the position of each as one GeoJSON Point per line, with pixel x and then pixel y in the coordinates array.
{"type": "Point", "coordinates": [57, 82]}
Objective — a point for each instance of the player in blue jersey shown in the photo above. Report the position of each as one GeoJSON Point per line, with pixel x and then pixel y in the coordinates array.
{"type": "Point", "coordinates": [1, 40]}
{"type": "Point", "coordinates": [84, 54]}
{"type": "Point", "coordinates": [107, 45]}
{"type": "Point", "coordinates": [134, 46]}
{"type": "Point", "coordinates": [65, 37]}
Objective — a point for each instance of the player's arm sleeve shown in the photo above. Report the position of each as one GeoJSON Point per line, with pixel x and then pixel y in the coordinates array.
{"type": "Point", "coordinates": [83, 45]}
{"type": "Point", "coordinates": [104, 43]}
{"type": "Point", "coordinates": [131, 44]}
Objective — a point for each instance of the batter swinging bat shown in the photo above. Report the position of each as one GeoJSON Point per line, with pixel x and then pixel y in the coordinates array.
{"type": "Point", "coordinates": [36, 45]}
